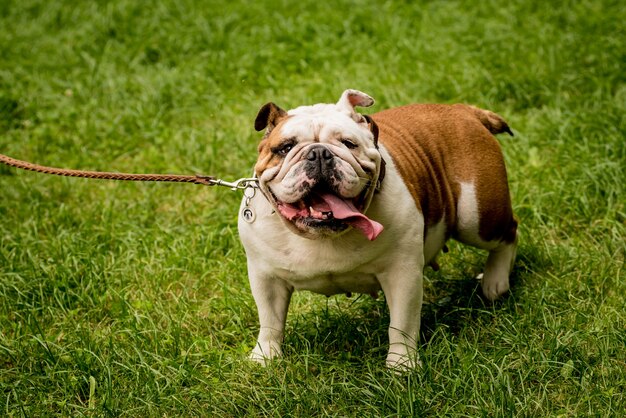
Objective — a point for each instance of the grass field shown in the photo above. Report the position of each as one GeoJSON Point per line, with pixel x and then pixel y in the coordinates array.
{"type": "Point", "coordinates": [132, 299]}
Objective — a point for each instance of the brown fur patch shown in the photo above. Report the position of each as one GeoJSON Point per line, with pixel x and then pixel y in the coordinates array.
{"type": "Point", "coordinates": [435, 148]}
{"type": "Point", "coordinates": [267, 159]}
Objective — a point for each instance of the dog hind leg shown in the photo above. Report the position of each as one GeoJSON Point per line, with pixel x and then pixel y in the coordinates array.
{"type": "Point", "coordinates": [495, 279]}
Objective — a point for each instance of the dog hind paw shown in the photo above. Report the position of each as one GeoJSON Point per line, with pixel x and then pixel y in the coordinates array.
{"type": "Point", "coordinates": [494, 289]}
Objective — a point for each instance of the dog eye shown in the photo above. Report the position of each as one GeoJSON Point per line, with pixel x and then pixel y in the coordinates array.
{"type": "Point", "coordinates": [349, 144]}
{"type": "Point", "coordinates": [283, 149]}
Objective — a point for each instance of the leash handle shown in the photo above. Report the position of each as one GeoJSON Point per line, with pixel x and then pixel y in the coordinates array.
{"type": "Point", "coordinates": [104, 175]}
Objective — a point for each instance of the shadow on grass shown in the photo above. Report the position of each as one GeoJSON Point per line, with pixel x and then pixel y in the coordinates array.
{"type": "Point", "coordinates": [351, 329]}
{"type": "Point", "coordinates": [345, 329]}
{"type": "Point", "coordinates": [457, 303]}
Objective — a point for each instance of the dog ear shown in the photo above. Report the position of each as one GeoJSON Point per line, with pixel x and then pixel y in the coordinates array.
{"type": "Point", "coordinates": [351, 99]}
{"type": "Point", "coordinates": [373, 128]}
{"type": "Point", "coordinates": [268, 117]}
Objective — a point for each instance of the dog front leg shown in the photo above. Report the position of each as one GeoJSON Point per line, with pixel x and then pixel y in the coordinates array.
{"type": "Point", "coordinates": [272, 297]}
{"type": "Point", "coordinates": [403, 290]}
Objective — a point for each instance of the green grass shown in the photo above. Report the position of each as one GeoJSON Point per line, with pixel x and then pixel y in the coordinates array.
{"type": "Point", "coordinates": [132, 299]}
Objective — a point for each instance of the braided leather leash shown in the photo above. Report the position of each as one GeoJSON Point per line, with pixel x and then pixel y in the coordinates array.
{"type": "Point", "coordinates": [241, 183]}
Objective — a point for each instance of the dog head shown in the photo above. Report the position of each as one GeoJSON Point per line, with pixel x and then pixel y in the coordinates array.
{"type": "Point", "coordinates": [319, 165]}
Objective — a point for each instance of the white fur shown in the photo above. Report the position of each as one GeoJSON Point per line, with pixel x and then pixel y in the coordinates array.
{"type": "Point", "coordinates": [467, 215]}
{"type": "Point", "coordinates": [495, 279]}
{"type": "Point", "coordinates": [280, 261]}
{"type": "Point", "coordinates": [435, 240]}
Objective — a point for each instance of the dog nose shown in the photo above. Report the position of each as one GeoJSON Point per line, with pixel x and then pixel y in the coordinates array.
{"type": "Point", "coordinates": [319, 154]}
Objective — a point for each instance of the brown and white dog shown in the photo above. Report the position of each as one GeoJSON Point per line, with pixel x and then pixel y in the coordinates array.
{"type": "Point", "coordinates": [354, 203]}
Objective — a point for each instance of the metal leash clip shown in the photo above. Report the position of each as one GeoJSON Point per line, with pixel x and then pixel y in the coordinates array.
{"type": "Point", "coordinates": [239, 184]}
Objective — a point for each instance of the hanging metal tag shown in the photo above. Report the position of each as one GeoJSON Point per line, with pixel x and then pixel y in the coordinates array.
{"type": "Point", "coordinates": [247, 213]}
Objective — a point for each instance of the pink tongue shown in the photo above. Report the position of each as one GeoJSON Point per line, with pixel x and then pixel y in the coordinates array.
{"type": "Point", "coordinates": [344, 209]}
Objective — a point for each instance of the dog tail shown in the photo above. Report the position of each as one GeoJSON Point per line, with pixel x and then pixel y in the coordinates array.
{"type": "Point", "coordinates": [492, 121]}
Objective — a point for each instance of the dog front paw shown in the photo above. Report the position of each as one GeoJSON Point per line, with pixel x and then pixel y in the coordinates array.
{"type": "Point", "coordinates": [264, 355]}
{"type": "Point", "coordinates": [403, 362]}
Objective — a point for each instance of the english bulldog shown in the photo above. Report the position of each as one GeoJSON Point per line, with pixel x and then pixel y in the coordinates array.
{"type": "Point", "coordinates": [351, 203]}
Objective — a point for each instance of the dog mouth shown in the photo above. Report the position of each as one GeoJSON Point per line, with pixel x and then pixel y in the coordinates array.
{"type": "Point", "coordinates": [325, 210]}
